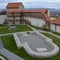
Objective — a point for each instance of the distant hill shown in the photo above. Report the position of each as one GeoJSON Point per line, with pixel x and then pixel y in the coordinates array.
{"type": "Point", "coordinates": [54, 12]}
{"type": "Point", "coordinates": [2, 11]}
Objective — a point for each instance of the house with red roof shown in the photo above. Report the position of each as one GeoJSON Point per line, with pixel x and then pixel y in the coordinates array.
{"type": "Point", "coordinates": [16, 14]}
{"type": "Point", "coordinates": [55, 24]}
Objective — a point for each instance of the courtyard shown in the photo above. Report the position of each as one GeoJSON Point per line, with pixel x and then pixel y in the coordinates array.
{"type": "Point", "coordinates": [10, 44]}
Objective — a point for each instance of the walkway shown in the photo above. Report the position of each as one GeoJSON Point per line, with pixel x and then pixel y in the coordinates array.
{"type": "Point", "coordinates": [50, 33]}
{"type": "Point", "coordinates": [8, 54]}
{"type": "Point", "coordinates": [44, 31]}
{"type": "Point", "coordinates": [12, 33]}
{"type": "Point", "coordinates": [1, 45]}
{"type": "Point", "coordinates": [54, 35]}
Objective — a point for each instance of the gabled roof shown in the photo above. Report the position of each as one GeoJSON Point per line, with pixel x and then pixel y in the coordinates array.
{"type": "Point", "coordinates": [35, 10]}
{"type": "Point", "coordinates": [42, 11]}
{"type": "Point", "coordinates": [47, 17]}
{"type": "Point", "coordinates": [56, 21]}
{"type": "Point", "coordinates": [14, 5]}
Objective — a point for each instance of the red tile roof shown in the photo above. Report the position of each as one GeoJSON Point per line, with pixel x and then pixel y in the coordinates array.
{"type": "Point", "coordinates": [56, 21]}
{"type": "Point", "coordinates": [17, 10]}
{"type": "Point", "coordinates": [14, 5]}
{"type": "Point", "coordinates": [47, 17]}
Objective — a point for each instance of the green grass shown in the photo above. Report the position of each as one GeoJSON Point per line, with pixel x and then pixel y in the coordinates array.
{"type": "Point", "coordinates": [36, 27]}
{"type": "Point", "coordinates": [20, 28]}
{"type": "Point", "coordinates": [2, 25]}
{"type": "Point", "coordinates": [46, 30]}
{"type": "Point", "coordinates": [40, 28]}
{"type": "Point", "coordinates": [56, 33]}
{"type": "Point", "coordinates": [10, 44]}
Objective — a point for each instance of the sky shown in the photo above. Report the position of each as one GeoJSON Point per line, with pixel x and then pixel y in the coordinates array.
{"type": "Point", "coordinates": [34, 3]}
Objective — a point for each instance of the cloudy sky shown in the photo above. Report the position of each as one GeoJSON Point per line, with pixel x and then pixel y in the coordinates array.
{"type": "Point", "coordinates": [34, 3]}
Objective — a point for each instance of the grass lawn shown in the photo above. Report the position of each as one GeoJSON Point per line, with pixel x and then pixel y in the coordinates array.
{"type": "Point", "coordinates": [10, 44]}
{"type": "Point", "coordinates": [36, 27]}
{"type": "Point", "coordinates": [20, 28]}
{"type": "Point", "coordinates": [56, 33]}
{"type": "Point", "coordinates": [2, 25]}
{"type": "Point", "coordinates": [40, 28]}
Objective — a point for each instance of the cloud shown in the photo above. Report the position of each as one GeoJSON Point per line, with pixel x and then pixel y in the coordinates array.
{"type": "Point", "coordinates": [6, 1]}
{"type": "Point", "coordinates": [38, 3]}
{"type": "Point", "coordinates": [3, 3]}
{"type": "Point", "coordinates": [33, 3]}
